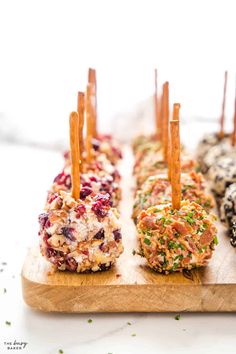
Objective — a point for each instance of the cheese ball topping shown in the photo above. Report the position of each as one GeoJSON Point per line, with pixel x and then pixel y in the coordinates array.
{"type": "Point", "coordinates": [157, 190]}
{"type": "Point", "coordinates": [207, 142]}
{"type": "Point", "coordinates": [80, 236]}
{"type": "Point", "coordinates": [222, 174]}
{"type": "Point", "coordinates": [153, 164]}
{"type": "Point", "coordinates": [228, 206]}
{"type": "Point", "coordinates": [103, 144]}
{"type": "Point", "coordinates": [216, 152]}
{"type": "Point", "coordinates": [90, 182]}
{"type": "Point", "coordinates": [174, 240]}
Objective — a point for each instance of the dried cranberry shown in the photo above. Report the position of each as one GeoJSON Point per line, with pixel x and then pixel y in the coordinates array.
{"type": "Point", "coordinates": [66, 155]}
{"type": "Point", "coordinates": [99, 209]}
{"type": "Point", "coordinates": [43, 218]}
{"type": "Point", "coordinates": [85, 191]}
{"type": "Point", "coordinates": [93, 179]}
{"type": "Point", "coordinates": [104, 198]}
{"type": "Point", "coordinates": [96, 144]}
{"type": "Point", "coordinates": [80, 210]}
{"type": "Point", "coordinates": [50, 252]}
{"type": "Point", "coordinates": [63, 179]}
{"type": "Point", "coordinates": [85, 252]}
{"type": "Point", "coordinates": [68, 233]}
{"type": "Point", "coordinates": [99, 235]}
{"type": "Point", "coordinates": [52, 197]}
{"type": "Point", "coordinates": [68, 181]}
{"type": "Point", "coordinates": [87, 184]}
{"type": "Point", "coordinates": [117, 235]}
{"type": "Point", "coordinates": [47, 224]}
{"type": "Point", "coordinates": [71, 264]}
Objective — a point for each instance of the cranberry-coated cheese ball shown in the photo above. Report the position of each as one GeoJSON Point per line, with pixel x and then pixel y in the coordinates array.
{"type": "Point", "coordinates": [102, 144]}
{"type": "Point", "coordinates": [90, 183]}
{"type": "Point", "coordinates": [105, 145]}
{"type": "Point", "coordinates": [80, 236]}
{"type": "Point", "coordinates": [157, 190]}
{"type": "Point", "coordinates": [174, 240]}
{"type": "Point", "coordinates": [222, 174]}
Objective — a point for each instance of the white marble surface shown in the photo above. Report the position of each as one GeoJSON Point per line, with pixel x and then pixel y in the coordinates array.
{"type": "Point", "coordinates": [25, 176]}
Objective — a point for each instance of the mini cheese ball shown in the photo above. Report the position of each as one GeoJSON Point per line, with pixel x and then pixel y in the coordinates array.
{"type": "Point", "coordinates": [222, 174]}
{"type": "Point", "coordinates": [80, 236]}
{"type": "Point", "coordinates": [216, 152]}
{"type": "Point", "coordinates": [228, 206]}
{"type": "Point", "coordinates": [208, 141]}
{"type": "Point", "coordinates": [105, 145]}
{"type": "Point", "coordinates": [141, 141]}
{"type": "Point", "coordinates": [90, 183]}
{"type": "Point", "coordinates": [174, 240]}
{"type": "Point", "coordinates": [157, 190]}
{"type": "Point", "coordinates": [153, 164]}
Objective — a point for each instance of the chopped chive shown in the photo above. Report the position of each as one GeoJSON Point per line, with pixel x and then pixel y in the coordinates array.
{"type": "Point", "coordinates": [129, 323]}
{"type": "Point", "coordinates": [133, 252]}
{"type": "Point", "coordinates": [177, 317]}
{"type": "Point", "coordinates": [60, 351]}
{"type": "Point", "coordinates": [8, 323]}
{"type": "Point", "coordinates": [147, 241]}
{"type": "Point", "coordinates": [90, 321]}
{"type": "Point", "coordinates": [134, 335]}
{"type": "Point", "coordinates": [4, 291]}
{"type": "Point", "coordinates": [215, 240]}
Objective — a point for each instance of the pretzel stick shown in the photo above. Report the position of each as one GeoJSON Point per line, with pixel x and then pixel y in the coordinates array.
{"type": "Point", "coordinates": [93, 81]}
{"type": "Point", "coordinates": [80, 110]}
{"type": "Point", "coordinates": [175, 160]}
{"type": "Point", "coordinates": [160, 117]}
{"type": "Point", "coordinates": [156, 106]}
{"type": "Point", "coordinates": [88, 126]}
{"type": "Point", "coordinates": [175, 116]}
{"type": "Point", "coordinates": [165, 120]}
{"type": "Point", "coordinates": [75, 155]}
{"type": "Point", "coordinates": [222, 117]}
{"type": "Point", "coordinates": [234, 131]}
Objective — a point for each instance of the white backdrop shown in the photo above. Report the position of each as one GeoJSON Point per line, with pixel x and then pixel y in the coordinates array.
{"type": "Point", "coordinates": [47, 46]}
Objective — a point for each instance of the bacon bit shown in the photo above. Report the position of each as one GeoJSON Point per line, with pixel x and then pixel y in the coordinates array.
{"type": "Point", "coordinates": [118, 275]}
{"type": "Point", "coordinates": [186, 260]}
{"type": "Point", "coordinates": [206, 237]}
{"type": "Point", "coordinates": [180, 227]}
{"type": "Point", "coordinates": [142, 215]}
{"type": "Point", "coordinates": [149, 222]}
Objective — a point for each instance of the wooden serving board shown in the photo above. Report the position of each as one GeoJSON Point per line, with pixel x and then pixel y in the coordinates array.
{"type": "Point", "coordinates": [131, 286]}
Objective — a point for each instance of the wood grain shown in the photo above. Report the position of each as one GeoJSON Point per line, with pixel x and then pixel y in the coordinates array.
{"type": "Point", "coordinates": [131, 286]}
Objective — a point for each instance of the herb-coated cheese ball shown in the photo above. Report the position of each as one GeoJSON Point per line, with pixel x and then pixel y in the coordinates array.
{"type": "Point", "coordinates": [157, 190]}
{"type": "Point", "coordinates": [174, 240]}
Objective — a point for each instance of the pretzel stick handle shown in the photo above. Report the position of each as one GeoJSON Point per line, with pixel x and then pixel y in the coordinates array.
{"type": "Point", "coordinates": [88, 126]}
{"type": "Point", "coordinates": [234, 130]}
{"type": "Point", "coordinates": [92, 80]}
{"type": "Point", "coordinates": [165, 121]}
{"type": "Point", "coordinates": [222, 117]}
{"type": "Point", "coordinates": [175, 116]}
{"type": "Point", "coordinates": [156, 106]}
{"type": "Point", "coordinates": [175, 164]}
{"type": "Point", "coordinates": [75, 155]}
{"type": "Point", "coordinates": [80, 110]}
